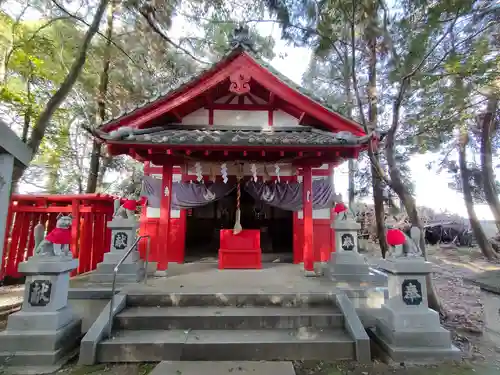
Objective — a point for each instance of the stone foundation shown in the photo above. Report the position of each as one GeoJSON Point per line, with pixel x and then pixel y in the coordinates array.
{"type": "Point", "coordinates": [123, 235]}
{"type": "Point", "coordinates": [45, 333]}
{"type": "Point", "coordinates": [406, 328]}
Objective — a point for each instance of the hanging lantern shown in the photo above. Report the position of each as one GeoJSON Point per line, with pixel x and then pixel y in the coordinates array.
{"type": "Point", "coordinates": [395, 237]}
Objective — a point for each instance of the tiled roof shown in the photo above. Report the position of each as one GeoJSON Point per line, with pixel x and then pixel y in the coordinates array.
{"type": "Point", "coordinates": [292, 136]}
{"type": "Point", "coordinates": [187, 80]}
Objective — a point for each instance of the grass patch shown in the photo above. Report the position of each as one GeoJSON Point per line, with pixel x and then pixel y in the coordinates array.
{"type": "Point", "coordinates": [378, 368]}
{"type": "Point", "coordinates": [87, 370]}
{"type": "Point", "coordinates": [146, 368]}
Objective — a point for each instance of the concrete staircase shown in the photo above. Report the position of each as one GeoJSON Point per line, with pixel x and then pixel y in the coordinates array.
{"type": "Point", "coordinates": [222, 327]}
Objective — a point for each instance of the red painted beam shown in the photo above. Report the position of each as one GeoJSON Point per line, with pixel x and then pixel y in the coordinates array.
{"type": "Point", "coordinates": [239, 107]}
{"type": "Point", "coordinates": [301, 118]}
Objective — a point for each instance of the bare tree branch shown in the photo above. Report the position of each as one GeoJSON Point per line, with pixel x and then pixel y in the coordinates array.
{"type": "Point", "coordinates": [405, 82]}
{"type": "Point", "coordinates": [148, 13]}
{"type": "Point", "coordinates": [80, 19]}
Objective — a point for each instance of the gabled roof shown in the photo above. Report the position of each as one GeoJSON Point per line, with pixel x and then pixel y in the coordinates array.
{"type": "Point", "coordinates": [240, 58]}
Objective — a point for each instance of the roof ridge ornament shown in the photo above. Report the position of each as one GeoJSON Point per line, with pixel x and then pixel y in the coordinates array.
{"type": "Point", "coordinates": [241, 38]}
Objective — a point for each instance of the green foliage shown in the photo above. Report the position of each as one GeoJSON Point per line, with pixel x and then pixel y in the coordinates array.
{"type": "Point", "coordinates": [35, 56]}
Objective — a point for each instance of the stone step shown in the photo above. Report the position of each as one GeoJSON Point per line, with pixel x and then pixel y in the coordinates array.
{"type": "Point", "coordinates": [125, 268]}
{"type": "Point", "coordinates": [207, 317]}
{"type": "Point", "coordinates": [226, 345]}
{"type": "Point", "coordinates": [138, 298]}
{"type": "Point", "coordinates": [114, 257]}
{"type": "Point", "coordinates": [120, 277]}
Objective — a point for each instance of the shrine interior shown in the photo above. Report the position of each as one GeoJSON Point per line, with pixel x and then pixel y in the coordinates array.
{"type": "Point", "coordinates": [203, 225]}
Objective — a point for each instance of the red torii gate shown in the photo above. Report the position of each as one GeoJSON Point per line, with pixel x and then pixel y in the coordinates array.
{"type": "Point", "coordinates": [90, 238]}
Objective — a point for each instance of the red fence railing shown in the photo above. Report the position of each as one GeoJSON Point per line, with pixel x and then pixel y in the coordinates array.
{"type": "Point", "coordinates": [90, 238]}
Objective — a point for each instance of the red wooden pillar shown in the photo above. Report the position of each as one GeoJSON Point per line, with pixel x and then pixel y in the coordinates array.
{"type": "Point", "coordinates": [183, 219]}
{"type": "Point", "coordinates": [331, 168]}
{"type": "Point", "coordinates": [75, 231]}
{"type": "Point", "coordinates": [307, 199]}
{"type": "Point", "coordinates": [164, 224]}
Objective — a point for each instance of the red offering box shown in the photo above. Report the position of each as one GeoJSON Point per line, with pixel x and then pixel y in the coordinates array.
{"type": "Point", "coordinates": [240, 251]}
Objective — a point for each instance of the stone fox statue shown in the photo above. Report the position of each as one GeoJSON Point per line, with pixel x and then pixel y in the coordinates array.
{"type": "Point", "coordinates": [127, 209]}
{"type": "Point", "coordinates": [57, 241]}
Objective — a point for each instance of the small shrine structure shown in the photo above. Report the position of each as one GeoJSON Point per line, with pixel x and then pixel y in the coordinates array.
{"type": "Point", "coordinates": [239, 161]}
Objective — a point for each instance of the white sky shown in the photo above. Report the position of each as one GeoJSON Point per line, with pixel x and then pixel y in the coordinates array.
{"type": "Point", "coordinates": [431, 189]}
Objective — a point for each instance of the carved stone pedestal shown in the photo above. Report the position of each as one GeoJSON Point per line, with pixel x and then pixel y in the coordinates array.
{"type": "Point", "coordinates": [407, 329]}
{"type": "Point", "coordinates": [346, 264]}
{"type": "Point", "coordinates": [123, 235]}
{"type": "Point", "coordinates": [45, 333]}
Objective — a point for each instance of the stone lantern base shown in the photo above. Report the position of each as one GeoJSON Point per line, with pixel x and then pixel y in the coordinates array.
{"type": "Point", "coordinates": [45, 333]}
{"type": "Point", "coordinates": [406, 328]}
{"type": "Point", "coordinates": [348, 266]}
{"type": "Point", "coordinates": [123, 235]}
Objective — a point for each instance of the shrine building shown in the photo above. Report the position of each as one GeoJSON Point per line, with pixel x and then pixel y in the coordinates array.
{"type": "Point", "coordinates": [238, 165]}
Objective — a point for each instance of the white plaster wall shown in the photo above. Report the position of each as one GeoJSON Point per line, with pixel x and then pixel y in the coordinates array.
{"type": "Point", "coordinates": [323, 213]}
{"type": "Point", "coordinates": [258, 119]}
{"type": "Point", "coordinates": [324, 166]}
{"type": "Point", "coordinates": [281, 118]}
{"type": "Point", "coordinates": [223, 99]}
{"type": "Point", "coordinates": [154, 212]}
{"type": "Point", "coordinates": [199, 117]}
{"type": "Point", "coordinates": [159, 166]}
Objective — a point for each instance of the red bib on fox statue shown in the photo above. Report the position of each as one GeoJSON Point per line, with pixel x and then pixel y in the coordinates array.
{"type": "Point", "coordinates": [128, 207]}
{"type": "Point", "coordinates": [130, 204]}
{"type": "Point", "coordinates": [60, 236]}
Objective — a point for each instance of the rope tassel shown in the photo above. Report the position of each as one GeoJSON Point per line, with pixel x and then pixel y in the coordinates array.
{"type": "Point", "coordinates": [237, 225]}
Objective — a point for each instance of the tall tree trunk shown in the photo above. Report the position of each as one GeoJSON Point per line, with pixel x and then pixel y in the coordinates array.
{"type": "Point", "coordinates": [95, 158]}
{"type": "Point", "coordinates": [378, 196]}
{"type": "Point", "coordinates": [349, 102]}
{"type": "Point", "coordinates": [29, 108]}
{"type": "Point", "coordinates": [477, 229]}
{"type": "Point", "coordinates": [60, 95]}
{"type": "Point", "coordinates": [105, 163]}
{"type": "Point", "coordinates": [410, 206]}
{"type": "Point", "coordinates": [351, 184]}
{"type": "Point", "coordinates": [488, 128]}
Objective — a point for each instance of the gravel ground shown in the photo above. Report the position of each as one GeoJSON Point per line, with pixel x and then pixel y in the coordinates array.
{"type": "Point", "coordinates": [461, 300]}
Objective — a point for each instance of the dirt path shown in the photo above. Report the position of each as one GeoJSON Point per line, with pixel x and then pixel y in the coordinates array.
{"type": "Point", "coordinates": [11, 298]}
